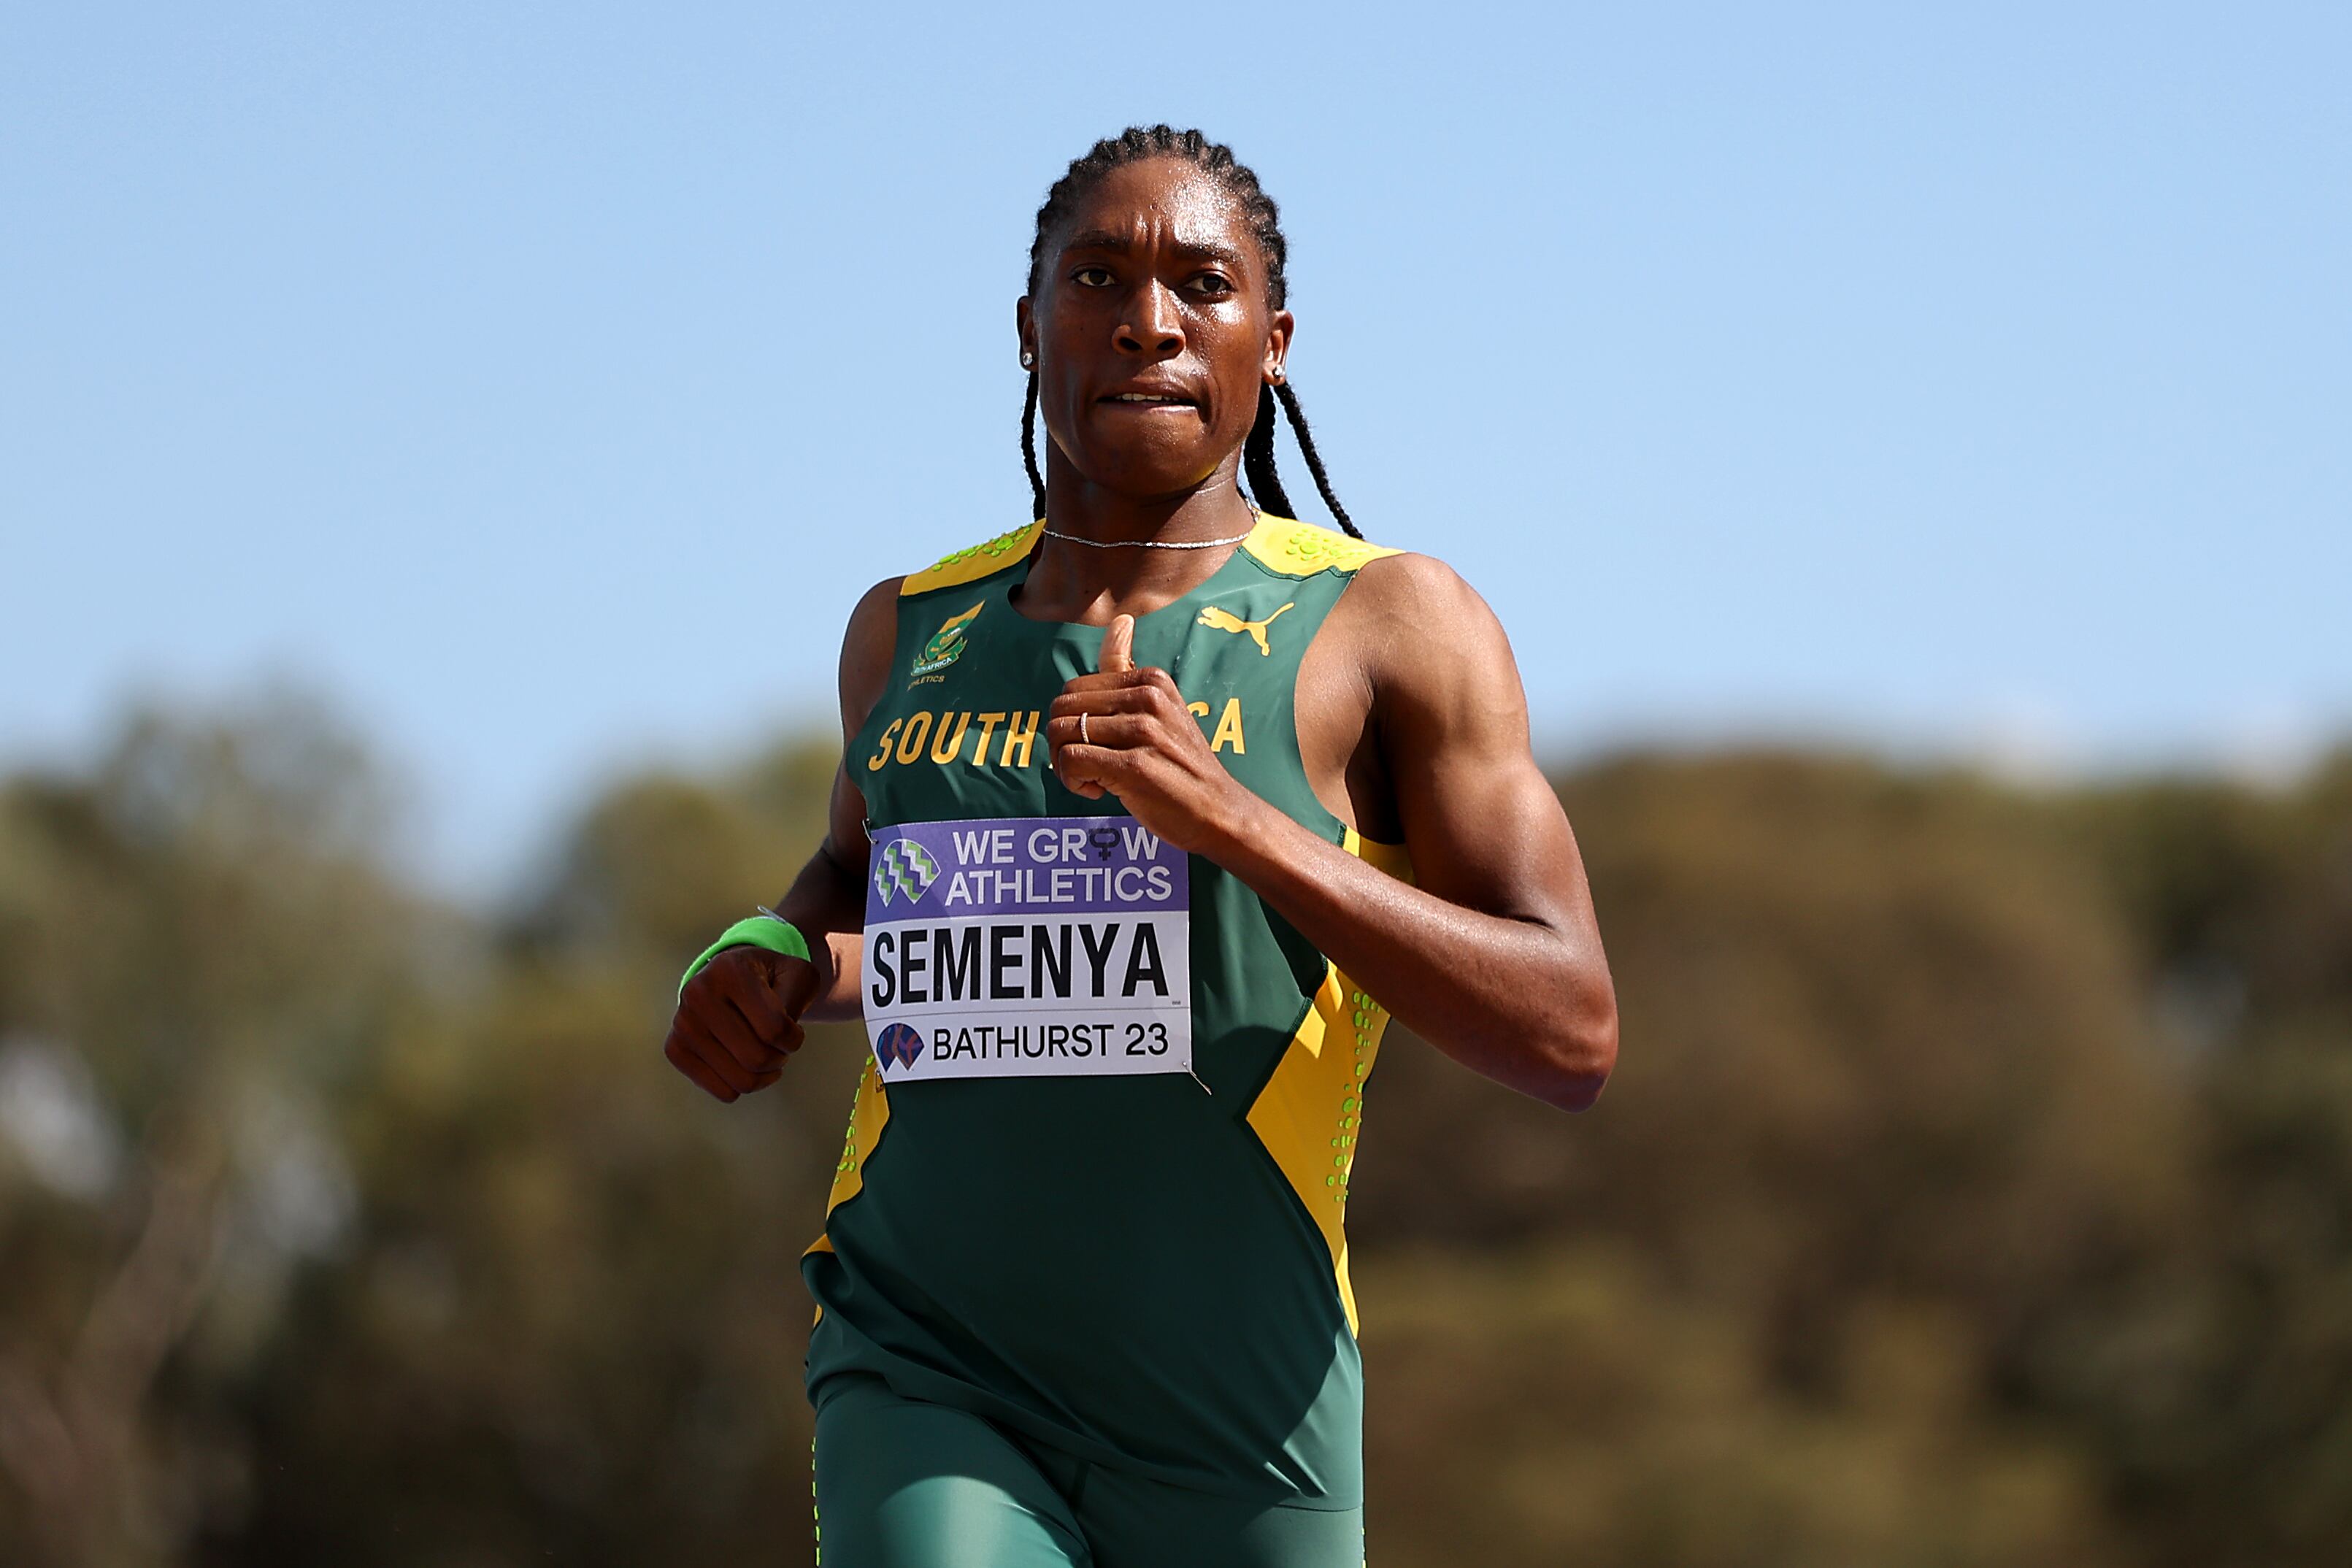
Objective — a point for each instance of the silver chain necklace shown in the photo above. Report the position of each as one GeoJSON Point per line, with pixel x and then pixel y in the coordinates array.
{"type": "Point", "coordinates": [1151, 543]}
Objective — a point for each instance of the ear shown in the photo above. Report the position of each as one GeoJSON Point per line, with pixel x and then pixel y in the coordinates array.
{"type": "Point", "coordinates": [1279, 333]}
{"type": "Point", "coordinates": [1024, 323]}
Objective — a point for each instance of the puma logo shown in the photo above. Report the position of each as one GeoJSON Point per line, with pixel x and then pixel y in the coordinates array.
{"type": "Point", "coordinates": [1226, 621]}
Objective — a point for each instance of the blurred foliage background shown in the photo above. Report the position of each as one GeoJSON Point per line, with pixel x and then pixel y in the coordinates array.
{"type": "Point", "coordinates": [1976, 1187]}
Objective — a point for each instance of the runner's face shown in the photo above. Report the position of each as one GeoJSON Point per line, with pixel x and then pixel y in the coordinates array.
{"type": "Point", "coordinates": [1151, 330]}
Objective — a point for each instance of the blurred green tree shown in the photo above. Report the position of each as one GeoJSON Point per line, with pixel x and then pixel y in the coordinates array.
{"type": "Point", "coordinates": [197, 954]}
{"type": "Point", "coordinates": [2213, 1373]}
{"type": "Point", "coordinates": [1977, 1188]}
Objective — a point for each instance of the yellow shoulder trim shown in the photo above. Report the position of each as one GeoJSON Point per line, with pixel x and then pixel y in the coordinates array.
{"type": "Point", "coordinates": [1300, 549]}
{"type": "Point", "coordinates": [1307, 1114]}
{"type": "Point", "coordinates": [973, 561]}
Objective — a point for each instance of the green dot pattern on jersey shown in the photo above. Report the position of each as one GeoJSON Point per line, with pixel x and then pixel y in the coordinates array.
{"type": "Point", "coordinates": [1143, 1272]}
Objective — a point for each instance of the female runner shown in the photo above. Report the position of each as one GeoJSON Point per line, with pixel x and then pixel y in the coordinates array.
{"type": "Point", "coordinates": [1153, 812]}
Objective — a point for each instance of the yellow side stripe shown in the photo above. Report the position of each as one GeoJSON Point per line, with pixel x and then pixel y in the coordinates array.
{"type": "Point", "coordinates": [1308, 1114]}
{"type": "Point", "coordinates": [869, 1112]}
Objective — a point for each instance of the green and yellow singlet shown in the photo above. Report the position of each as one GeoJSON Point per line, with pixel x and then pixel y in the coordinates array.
{"type": "Point", "coordinates": [1097, 1163]}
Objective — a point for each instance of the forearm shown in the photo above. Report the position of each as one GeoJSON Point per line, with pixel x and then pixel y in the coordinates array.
{"type": "Point", "coordinates": [1525, 1002]}
{"type": "Point", "coordinates": [827, 903]}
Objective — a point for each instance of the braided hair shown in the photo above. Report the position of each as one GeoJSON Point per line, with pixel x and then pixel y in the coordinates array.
{"type": "Point", "coordinates": [1215, 159]}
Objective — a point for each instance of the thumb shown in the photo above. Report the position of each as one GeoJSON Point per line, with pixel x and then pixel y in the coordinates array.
{"type": "Point", "coordinates": [1118, 645]}
{"type": "Point", "coordinates": [792, 982]}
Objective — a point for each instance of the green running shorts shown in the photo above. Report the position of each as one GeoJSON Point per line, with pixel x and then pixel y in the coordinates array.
{"type": "Point", "coordinates": [903, 1483]}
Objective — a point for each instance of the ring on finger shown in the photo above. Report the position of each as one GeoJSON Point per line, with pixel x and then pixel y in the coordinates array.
{"type": "Point", "coordinates": [1082, 732]}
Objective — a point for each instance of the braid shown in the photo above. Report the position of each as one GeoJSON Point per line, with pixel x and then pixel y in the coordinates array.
{"type": "Point", "coordinates": [1257, 458]}
{"type": "Point", "coordinates": [1314, 460]}
{"type": "Point", "coordinates": [1133, 145]}
{"type": "Point", "coordinates": [1029, 444]}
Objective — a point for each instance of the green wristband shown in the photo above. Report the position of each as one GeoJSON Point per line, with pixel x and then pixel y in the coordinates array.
{"type": "Point", "coordinates": [767, 929]}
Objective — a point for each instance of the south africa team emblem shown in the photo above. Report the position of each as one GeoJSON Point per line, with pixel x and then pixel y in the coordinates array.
{"type": "Point", "coordinates": [946, 644]}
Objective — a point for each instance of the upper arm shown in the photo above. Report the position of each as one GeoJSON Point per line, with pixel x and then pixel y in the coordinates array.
{"type": "Point", "coordinates": [866, 651]}
{"type": "Point", "coordinates": [1449, 713]}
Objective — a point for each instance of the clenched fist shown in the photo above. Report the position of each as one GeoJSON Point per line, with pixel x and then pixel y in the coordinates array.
{"type": "Point", "coordinates": [740, 1019]}
{"type": "Point", "coordinates": [1125, 731]}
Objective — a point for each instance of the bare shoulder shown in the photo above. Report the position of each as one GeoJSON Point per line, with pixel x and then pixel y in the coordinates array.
{"type": "Point", "coordinates": [865, 650]}
{"type": "Point", "coordinates": [875, 615]}
{"type": "Point", "coordinates": [1424, 633]}
{"type": "Point", "coordinates": [1411, 584]}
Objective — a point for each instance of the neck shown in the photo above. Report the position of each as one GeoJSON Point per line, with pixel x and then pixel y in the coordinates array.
{"type": "Point", "coordinates": [1074, 583]}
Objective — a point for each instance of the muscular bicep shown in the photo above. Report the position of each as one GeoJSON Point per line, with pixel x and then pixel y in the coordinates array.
{"type": "Point", "coordinates": [1482, 824]}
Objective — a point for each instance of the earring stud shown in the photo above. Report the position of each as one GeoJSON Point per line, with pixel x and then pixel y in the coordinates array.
{"type": "Point", "coordinates": [1028, 359]}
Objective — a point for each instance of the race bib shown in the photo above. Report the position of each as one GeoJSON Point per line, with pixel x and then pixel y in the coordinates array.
{"type": "Point", "coordinates": [1027, 947]}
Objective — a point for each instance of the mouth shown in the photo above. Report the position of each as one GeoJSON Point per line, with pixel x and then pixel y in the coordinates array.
{"type": "Point", "coordinates": [1150, 402]}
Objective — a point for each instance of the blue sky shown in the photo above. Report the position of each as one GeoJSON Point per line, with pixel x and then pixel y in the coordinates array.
{"type": "Point", "coordinates": [544, 382]}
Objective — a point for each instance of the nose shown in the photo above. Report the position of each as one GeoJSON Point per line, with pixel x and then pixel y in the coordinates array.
{"type": "Point", "coordinates": [1152, 327]}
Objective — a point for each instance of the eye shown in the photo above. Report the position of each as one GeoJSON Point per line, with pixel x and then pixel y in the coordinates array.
{"type": "Point", "coordinates": [1215, 285]}
{"type": "Point", "coordinates": [1091, 277]}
